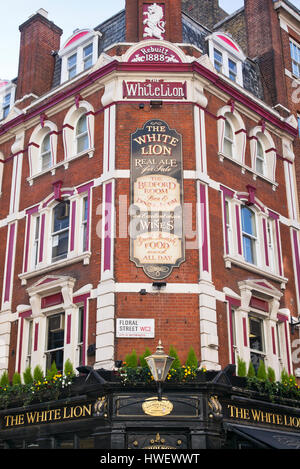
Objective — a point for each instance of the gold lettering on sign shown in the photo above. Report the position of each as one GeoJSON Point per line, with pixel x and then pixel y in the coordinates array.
{"type": "Point", "coordinates": [265, 417]}
{"type": "Point", "coordinates": [157, 408]}
{"type": "Point", "coordinates": [42, 416]}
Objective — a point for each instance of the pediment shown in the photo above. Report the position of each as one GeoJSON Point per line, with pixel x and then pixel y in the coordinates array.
{"type": "Point", "coordinates": [50, 283]}
{"type": "Point", "coordinates": [262, 287]}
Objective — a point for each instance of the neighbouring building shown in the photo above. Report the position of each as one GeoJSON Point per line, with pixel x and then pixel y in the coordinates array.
{"type": "Point", "coordinates": [149, 190]}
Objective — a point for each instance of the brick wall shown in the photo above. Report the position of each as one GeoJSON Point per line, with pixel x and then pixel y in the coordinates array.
{"type": "Point", "coordinates": [39, 37]}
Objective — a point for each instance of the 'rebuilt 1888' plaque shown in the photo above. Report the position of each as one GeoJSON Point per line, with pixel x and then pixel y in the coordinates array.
{"type": "Point", "coordinates": [156, 228]}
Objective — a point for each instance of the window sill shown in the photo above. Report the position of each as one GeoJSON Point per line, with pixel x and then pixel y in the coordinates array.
{"type": "Point", "coordinates": [84, 258]}
{"type": "Point", "coordinates": [229, 260]}
{"type": "Point", "coordinates": [245, 168]}
{"type": "Point", "coordinates": [90, 152]}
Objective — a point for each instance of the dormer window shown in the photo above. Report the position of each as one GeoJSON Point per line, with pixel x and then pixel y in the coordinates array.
{"type": "Point", "coordinates": [218, 60]}
{"type": "Point", "coordinates": [7, 96]}
{"type": "Point", "coordinates": [88, 56]}
{"type": "Point", "coordinates": [226, 56]}
{"type": "Point", "coordinates": [232, 69]}
{"type": "Point", "coordinates": [6, 105]}
{"type": "Point", "coordinates": [72, 62]}
{"type": "Point", "coordinates": [79, 53]}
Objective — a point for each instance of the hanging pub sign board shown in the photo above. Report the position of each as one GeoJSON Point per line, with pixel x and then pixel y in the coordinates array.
{"type": "Point", "coordinates": [156, 224]}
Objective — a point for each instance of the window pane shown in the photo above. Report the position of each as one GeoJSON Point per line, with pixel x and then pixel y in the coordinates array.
{"type": "Point", "coordinates": [295, 56]}
{"type": "Point", "coordinates": [55, 342]}
{"type": "Point", "coordinates": [88, 56]}
{"type": "Point", "coordinates": [60, 245]}
{"type": "Point", "coordinates": [82, 134]}
{"type": "Point", "coordinates": [72, 65]}
{"type": "Point", "coordinates": [81, 125]}
{"type": "Point", "coordinates": [232, 70]}
{"type": "Point", "coordinates": [255, 334]}
{"type": "Point", "coordinates": [60, 233]}
{"type": "Point", "coordinates": [248, 222]}
{"type": "Point", "coordinates": [61, 216]}
{"type": "Point", "coordinates": [248, 249]}
{"type": "Point", "coordinates": [218, 60]}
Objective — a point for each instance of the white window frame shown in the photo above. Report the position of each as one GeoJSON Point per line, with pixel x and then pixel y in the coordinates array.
{"type": "Point", "coordinates": [69, 131]}
{"type": "Point", "coordinates": [228, 53]}
{"type": "Point", "coordinates": [230, 141]}
{"type": "Point", "coordinates": [45, 153]}
{"type": "Point", "coordinates": [262, 241]}
{"type": "Point", "coordinates": [84, 135]}
{"type": "Point", "coordinates": [36, 240]}
{"type": "Point", "coordinates": [270, 157]}
{"type": "Point", "coordinates": [297, 45]}
{"type": "Point", "coordinates": [77, 47]}
{"type": "Point", "coordinates": [35, 148]}
{"type": "Point", "coordinates": [58, 233]}
{"type": "Point", "coordinates": [253, 237]}
{"type": "Point", "coordinates": [79, 251]}
{"type": "Point", "coordinates": [7, 90]}
{"type": "Point", "coordinates": [264, 290]}
{"type": "Point", "coordinates": [47, 350]}
{"type": "Point", "coordinates": [237, 124]}
{"type": "Point", "coordinates": [260, 158]}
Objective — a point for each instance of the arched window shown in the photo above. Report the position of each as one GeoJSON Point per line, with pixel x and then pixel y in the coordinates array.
{"type": "Point", "coordinates": [78, 130]}
{"type": "Point", "coordinates": [228, 146]}
{"type": "Point", "coordinates": [249, 235]}
{"type": "Point", "coordinates": [82, 138]}
{"type": "Point", "coordinates": [231, 134]}
{"type": "Point", "coordinates": [260, 158]}
{"type": "Point", "coordinates": [42, 148]}
{"type": "Point", "coordinates": [46, 156]}
{"type": "Point", "coordinates": [263, 153]}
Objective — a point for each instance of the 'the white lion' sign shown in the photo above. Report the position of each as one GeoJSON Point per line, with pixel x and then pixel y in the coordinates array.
{"type": "Point", "coordinates": [154, 23]}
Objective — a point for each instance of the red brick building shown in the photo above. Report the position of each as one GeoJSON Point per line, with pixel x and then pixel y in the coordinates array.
{"type": "Point", "coordinates": [149, 189]}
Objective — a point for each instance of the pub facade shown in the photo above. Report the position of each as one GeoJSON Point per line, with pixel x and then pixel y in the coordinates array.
{"type": "Point", "coordinates": [149, 192]}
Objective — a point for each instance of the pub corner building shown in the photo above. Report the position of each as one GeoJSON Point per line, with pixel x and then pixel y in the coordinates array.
{"type": "Point", "coordinates": [149, 208]}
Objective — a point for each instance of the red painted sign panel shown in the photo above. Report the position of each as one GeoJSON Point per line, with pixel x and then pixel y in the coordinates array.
{"type": "Point", "coordinates": [154, 89]}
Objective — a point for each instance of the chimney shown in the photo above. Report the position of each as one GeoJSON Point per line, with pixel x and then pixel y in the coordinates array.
{"type": "Point", "coordinates": [39, 39]}
{"type": "Point", "coordinates": [168, 17]}
{"type": "Point", "coordinates": [264, 45]}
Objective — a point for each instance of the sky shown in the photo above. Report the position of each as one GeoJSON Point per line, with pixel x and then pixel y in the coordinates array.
{"type": "Point", "coordinates": [68, 15]}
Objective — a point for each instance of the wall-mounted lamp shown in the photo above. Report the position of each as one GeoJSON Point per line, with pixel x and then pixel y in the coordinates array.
{"type": "Point", "coordinates": [158, 285]}
{"type": "Point", "coordinates": [143, 291]}
{"type": "Point", "coordinates": [156, 104]}
{"type": "Point", "coordinates": [159, 364]}
{"type": "Point", "coordinates": [293, 324]}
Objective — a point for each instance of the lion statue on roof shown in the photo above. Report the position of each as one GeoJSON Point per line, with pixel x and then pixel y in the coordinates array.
{"type": "Point", "coordinates": [155, 26]}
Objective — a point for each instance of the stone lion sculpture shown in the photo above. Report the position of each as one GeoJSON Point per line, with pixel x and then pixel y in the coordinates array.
{"type": "Point", "coordinates": [155, 26]}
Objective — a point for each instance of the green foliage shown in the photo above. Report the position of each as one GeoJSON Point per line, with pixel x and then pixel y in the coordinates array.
{"type": "Point", "coordinates": [4, 381]}
{"type": "Point", "coordinates": [191, 360]}
{"type": "Point", "coordinates": [176, 363]}
{"type": "Point", "coordinates": [27, 376]}
{"type": "Point", "coordinates": [261, 372]}
{"type": "Point", "coordinates": [271, 375]}
{"type": "Point", "coordinates": [38, 374]}
{"type": "Point", "coordinates": [251, 371]}
{"type": "Point", "coordinates": [16, 381]}
{"type": "Point", "coordinates": [131, 359]}
{"type": "Point", "coordinates": [51, 372]}
{"type": "Point", "coordinates": [242, 367]}
{"type": "Point", "coordinates": [68, 368]}
{"type": "Point", "coordinates": [284, 379]}
{"type": "Point", "coordinates": [143, 362]}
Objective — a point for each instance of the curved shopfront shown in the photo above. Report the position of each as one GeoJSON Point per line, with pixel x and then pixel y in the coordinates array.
{"type": "Point", "coordinates": [212, 414]}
